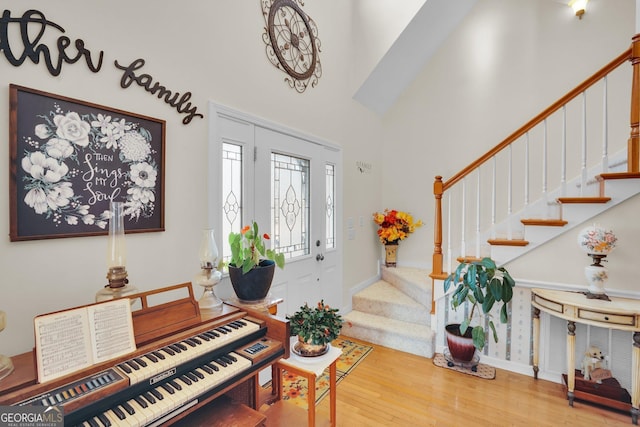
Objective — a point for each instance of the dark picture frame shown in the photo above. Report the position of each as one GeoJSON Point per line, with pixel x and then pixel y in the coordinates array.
{"type": "Point", "coordinates": [69, 158]}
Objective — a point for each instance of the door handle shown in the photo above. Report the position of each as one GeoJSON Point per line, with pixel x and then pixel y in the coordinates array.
{"type": "Point", "coordinates": [319, 257]}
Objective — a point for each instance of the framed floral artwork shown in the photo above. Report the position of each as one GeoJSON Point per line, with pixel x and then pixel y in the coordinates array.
{"type": "Point", "coordinates": [69, 159]}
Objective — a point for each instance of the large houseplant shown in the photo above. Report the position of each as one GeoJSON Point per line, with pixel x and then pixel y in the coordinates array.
{"type": "Point", "coordinates": [315, 327]}
{"type": "Point", "coordinates": [252, 264]}
{"type": "Point", "coordinates": [481, 284]}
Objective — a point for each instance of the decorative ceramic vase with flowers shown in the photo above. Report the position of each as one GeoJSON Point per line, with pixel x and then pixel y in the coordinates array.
{"type": "Point", "coordinates": [252, 265]}
{"type": "Point", "coordinates": [394, 226]}
{"type": "Point", "coordinates": [316, 328]}
{"type": "Point", "coordinates": [597, 242]}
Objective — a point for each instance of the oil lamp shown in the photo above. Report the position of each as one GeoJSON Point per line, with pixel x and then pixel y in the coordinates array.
{"type": "Point", "coordinates": [208, 276]}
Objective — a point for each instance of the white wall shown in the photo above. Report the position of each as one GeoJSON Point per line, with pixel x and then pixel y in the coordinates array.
{"type": "Point", "coordinates": [213, 49]}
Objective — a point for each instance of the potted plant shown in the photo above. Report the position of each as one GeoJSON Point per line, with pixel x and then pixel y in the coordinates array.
{"type": "Point", "coordinates": [394, 226]}
{"type": "Point", "coordinates": [315, 327]}
{"type": "Point", "coordinates": [252, 265]}
{"type": "Point", "coordinates": [481, 284]}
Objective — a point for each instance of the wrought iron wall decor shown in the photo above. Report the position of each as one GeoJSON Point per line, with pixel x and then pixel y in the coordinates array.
{"type": "Point", "coordinates": [292, 42]}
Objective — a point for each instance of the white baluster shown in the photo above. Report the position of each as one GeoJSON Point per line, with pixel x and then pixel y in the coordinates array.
{"type": "Point", "coordinates": [510, 192]}
{"type": "Point", "coordinates": [605, 128]}
{"type": "Point", "coordinates": [449, 248]}
{"type": "Point", "coordinates": [526, 170]}
{"type": "Point", "coordinates": [563, 162]}
{"type": "Point", "coordinates": [583, 180]}
{"type": "Point", "coordinates": [478, 191]}
{"type": "Point", "coordinates": [463, 211]}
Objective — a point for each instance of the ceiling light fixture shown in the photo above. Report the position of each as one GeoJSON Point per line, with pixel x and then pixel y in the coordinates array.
{"type": "Point", "coordinates": [578, 6]}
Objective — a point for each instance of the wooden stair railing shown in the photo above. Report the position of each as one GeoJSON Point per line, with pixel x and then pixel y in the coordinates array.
{"type": "Point", "coordinates": [633, 155]}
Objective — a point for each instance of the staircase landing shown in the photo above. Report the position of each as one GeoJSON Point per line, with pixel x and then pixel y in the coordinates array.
{"type": "Point", "coordinates": [394, 312]}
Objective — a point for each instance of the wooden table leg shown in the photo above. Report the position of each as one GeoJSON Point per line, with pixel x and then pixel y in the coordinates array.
{"type": "Point", "coordinates": [536, 341]}
{"type": "Point", "coordinates": [635, 379]}
{"type": "Point", "coordinates": [276, 380]}
{"type": "Point", "coordinates": [571, 360]}
{"type": "Point", "coordinates": [311, 399]}
{"type": "Point", "coordinates": [332, 392]}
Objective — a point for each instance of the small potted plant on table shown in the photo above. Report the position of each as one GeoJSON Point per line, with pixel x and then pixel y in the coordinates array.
{"type": "Point", "coordinates": [481, 284]}
{"type": "Point", "coordinates": [316, 328]}
{"type": "Point", "coordinates": [252, 265]}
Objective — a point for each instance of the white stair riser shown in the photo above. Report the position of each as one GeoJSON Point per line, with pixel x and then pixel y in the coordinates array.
{"type": "Point", "coordinates": [392, 310]}
{"type": "Point", "coordinates": [392, 340]}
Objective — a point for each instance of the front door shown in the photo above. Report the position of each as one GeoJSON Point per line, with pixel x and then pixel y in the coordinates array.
{"type": "Point", "coordinates": [290, 184]}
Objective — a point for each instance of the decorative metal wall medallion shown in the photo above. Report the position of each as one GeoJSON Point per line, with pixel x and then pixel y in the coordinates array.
{"type": "Point", "coordinates": [292, 42]}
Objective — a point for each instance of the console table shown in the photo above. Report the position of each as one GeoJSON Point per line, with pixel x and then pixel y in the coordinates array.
{"type": "Point", "coordinates": [619, 313]}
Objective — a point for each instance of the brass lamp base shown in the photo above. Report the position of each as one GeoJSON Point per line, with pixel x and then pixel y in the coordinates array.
{"type": "Point", "coordinates": [117, 287]}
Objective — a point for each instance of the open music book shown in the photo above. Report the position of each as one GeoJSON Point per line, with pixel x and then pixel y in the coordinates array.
{"type": "Point", "coordinates": [74, 339]}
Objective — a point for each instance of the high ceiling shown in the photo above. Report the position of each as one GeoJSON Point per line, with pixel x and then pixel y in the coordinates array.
{"type": "Point", "coordinates": [422, 37]}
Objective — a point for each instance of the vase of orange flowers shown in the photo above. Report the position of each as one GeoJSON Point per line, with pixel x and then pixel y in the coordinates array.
{"type": "Point", "coordinates": [394, 226]}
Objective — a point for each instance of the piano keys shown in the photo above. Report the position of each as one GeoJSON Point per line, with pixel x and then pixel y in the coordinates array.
{"type": "Point", "coordinates": [158, 404]}
{"type": "Point", "coordinates": [157, 361]}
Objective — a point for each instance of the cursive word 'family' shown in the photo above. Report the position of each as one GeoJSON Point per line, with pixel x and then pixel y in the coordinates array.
{"type": "Point", "coordinates": [146, 81]}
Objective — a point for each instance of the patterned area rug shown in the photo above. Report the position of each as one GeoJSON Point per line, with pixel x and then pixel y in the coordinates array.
{"type": "Point", "coordinates": [294, 387]}
{"type": "Point", "coordinates": [481, 370]}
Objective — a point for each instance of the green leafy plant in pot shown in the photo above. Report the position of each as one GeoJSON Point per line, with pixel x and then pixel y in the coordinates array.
{"type": "Point", "coordinates": [315, 327]}
{"type": "Point", "coordinates": [481, 284]}
{"type": "Point", "coordinates": [252, 265]}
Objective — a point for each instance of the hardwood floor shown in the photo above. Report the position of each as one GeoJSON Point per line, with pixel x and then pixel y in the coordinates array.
{"type": "Point", "coordinates": [392, 388]}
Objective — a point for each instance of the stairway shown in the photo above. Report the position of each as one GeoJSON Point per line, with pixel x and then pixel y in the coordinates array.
{"type": "Point", "coordinates": [394, 312]}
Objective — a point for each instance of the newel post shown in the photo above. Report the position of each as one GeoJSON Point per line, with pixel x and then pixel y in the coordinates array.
{"type": "Point", "coordinates": [633, 150]}
{"type": "Point", "coordinates": [436, 265]}
{"type": "Point", "coordinates": [436, 268]}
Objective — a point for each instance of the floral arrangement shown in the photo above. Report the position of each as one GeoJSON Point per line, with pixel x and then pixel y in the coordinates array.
{"type": "Point", "coordinates": [394, 226]}
{"type": "Point", "coordinates": [318, 326]}
{"type": "Point", "coordinates": [597, 240]}
{"type": "Point", "coordinates": [64, 142]}
{"type": "Point", "coordinates": [248, 248]}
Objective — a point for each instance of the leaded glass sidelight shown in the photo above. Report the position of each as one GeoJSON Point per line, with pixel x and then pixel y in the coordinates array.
{"type": "Point", "coordinates": [330, 207]}
{"type": "Point", "coordinates": [290, 205]}
{"type": "Point", "coordinates": [231, 193]}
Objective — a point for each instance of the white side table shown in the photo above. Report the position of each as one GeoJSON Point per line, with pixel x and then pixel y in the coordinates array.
{"type": "Point", "coordinates": [310, 368]}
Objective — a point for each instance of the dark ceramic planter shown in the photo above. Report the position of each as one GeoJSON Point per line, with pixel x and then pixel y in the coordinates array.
{"type": "Point", "coordinates": [255, 284]}
{"type": "Point", "coordinates": [461, 347]}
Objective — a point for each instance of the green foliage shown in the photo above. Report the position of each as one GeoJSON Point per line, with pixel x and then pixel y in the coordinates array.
{"type": "Point", "coordinates": [319, 325]}
{"type": "Point", "coordinates": [248, 248]}
{"type": "Point", "coordinates": [482, 284]}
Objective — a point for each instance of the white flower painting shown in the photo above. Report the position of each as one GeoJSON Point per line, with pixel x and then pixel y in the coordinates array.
{"type": "Point", "coordinates": [75, 163]}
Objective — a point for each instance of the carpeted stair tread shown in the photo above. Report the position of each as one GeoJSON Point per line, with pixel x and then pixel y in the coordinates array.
{"type": "Point", "coordinates": [384, 299]}
{"type": "Point", "coordinates": [404, 336]}
{"type": "Point", "coordinates": [414, 282]}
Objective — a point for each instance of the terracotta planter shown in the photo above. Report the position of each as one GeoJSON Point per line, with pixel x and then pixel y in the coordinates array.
{"type": "Point", "coordinates": [391, 252]}
{"type": "Point", "coordinates": [255, 284]}
{"type": "Point", "coordinates": [461, 347]}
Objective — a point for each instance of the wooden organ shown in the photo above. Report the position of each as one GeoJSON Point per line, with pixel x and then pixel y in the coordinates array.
{"type": "Point", "coordinates": [184, 361]}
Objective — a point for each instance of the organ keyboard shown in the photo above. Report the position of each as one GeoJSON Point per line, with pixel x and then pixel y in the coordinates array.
{"type": "Point", "coordinates": [165, 378]}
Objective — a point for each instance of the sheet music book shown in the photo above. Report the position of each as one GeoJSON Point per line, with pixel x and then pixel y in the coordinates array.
{"type": "Point", "coordinates": [71, 340]}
